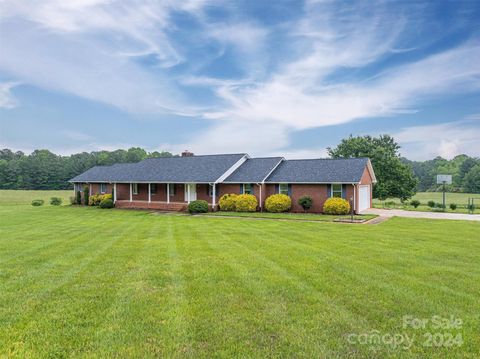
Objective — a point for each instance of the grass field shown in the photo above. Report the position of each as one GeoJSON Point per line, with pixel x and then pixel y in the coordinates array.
{"type": "Point", "coordinates": [86, 282]}
{"type": "Point", "coordinates": [460, 199]}
{"type": "Point", "coordinates": [13, 197]}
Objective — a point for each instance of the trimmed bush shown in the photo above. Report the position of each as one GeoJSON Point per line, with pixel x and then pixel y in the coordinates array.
{"type": "Point", "coordinates": [414, 203]}
{"type": "Point", "coordinates": [336, 206]}
{"type": "Point", "coordinates": [306, 202]}
{"type": "Point", "coordinates": [246, 203]}
{"type": "Point", "coordinates": [86, 195]}
{"type": "Point", "coordinates": [38, 202]}
{"type": "Point", "coordinates": [199, 206]}
{"type": "Point", "coordinates": [107, 203]}
{"type": "Point", "coordinates": [96, 199]}
{"type": "Point", "coordinates": [431, 204]}
{"type": "Point", "coordinates": [277, 203]}
{"type": "Point", "coordinates": [227, 202]}
{"type": "Point", "coordinates": [453, 206]}
{"type": "Point", "coordinates": [55, 201]}
{"type": "Point", "coordinates": [79, 197]}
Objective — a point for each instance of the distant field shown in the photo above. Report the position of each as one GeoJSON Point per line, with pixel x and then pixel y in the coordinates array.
{"type": "Point", "coordinates": [424, 197]}
{"type": "Point", "coordinates": [15, 197]}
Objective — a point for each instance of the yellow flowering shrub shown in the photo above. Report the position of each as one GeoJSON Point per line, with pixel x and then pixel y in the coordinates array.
{"type": "Point", "coordinates": [336, 206]}
{"type": "Point", "coordinates": [277, 203]}
{"type": "Point", "coordinates": [95, 199]}
{"type": "Point", "coordinates": [246, 203]}
{"type": "Point", "coordinates": [227, 202]}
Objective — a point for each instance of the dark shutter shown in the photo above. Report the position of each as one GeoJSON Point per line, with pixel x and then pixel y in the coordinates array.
{"type": "Point", "coordinates": [344, 191]}
{"type": "Point", "coordinates": [329, 190]}
{"type": "Point", "coordinates": [277, 188]}
{"type": "Point", "coordinates": [241, 188]}
{"type": "Point", "coordinates": [290, 190]}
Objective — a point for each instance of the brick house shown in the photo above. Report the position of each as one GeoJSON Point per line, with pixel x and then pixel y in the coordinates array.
{"type": "Point", "coordinates": [170, 183]}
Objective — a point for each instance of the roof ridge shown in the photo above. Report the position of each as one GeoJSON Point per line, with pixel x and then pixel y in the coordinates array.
{"type": "Point", "coordinates": [327, 159]}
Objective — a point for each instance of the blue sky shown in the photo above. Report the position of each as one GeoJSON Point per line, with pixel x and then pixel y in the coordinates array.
{"type": "Point", "coordinates": [268, 78]}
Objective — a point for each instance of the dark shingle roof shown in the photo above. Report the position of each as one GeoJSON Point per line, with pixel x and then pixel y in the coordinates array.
{"type": "Point", "coordinates": [254, 170]}
{"type": "Point", "coordinates": [347, 170]}
{"type": "Point", "coordinates": [204, 169]}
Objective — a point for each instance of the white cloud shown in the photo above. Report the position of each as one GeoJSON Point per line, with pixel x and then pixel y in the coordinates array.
{"type": "Point", "coordinates": [7, 100]}
{"type": "Point", "coordinates": [446, 139]}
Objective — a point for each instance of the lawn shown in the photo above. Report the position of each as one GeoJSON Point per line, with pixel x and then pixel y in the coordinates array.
{"type": "Point", "coordinates": [13, 197]}
{"type": "Point", "coordinates": [87, 282]}
{"type": "Point", "coordinates": [290, 216]}
{"type": "Point", "coordinates": [460, 199]}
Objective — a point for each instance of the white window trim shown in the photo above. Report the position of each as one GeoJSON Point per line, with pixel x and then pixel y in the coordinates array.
{"type": "Point", "coordinates": [332, 191]}
{"type": "Point", "coordinates": [251, 188]}
{"type": "Point", "coordinates": [152, 185]}
{"type": "Point", "coordinates": [135, 188]}
{"type": "Point", "coordinates": [104, 186]}
{"type": "Point", "coordinates": [280, 188]}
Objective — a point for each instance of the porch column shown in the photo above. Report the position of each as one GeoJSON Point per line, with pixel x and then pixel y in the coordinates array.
{"type": "Point", "coordinates": [168, 192]}
{"type": "Point", "coordinates": [188, 192]}
{"type": "Point", "coordinates": [90, 189]}
{"type": "Point", "coordinates": [115, 192]}
{"type": "Point", "coordinates": [131, 192]}
{"type": "Point", "coordinates": [213, 197]}
{"type": "Point", "coordinates": [149, 194]}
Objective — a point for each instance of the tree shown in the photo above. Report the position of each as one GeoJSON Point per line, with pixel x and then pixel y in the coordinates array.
{"type": "Point", "coordinates": [472, 180]}
{"type": "Point", "coordinates": [395, 178]}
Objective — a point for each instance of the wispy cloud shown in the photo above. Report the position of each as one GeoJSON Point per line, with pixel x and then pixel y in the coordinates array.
{"type": "Point", "coordinates": [7, 100]}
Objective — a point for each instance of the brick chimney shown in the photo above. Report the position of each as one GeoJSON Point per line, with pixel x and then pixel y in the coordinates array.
{"type": "Point", "coordinates": [187, 153]}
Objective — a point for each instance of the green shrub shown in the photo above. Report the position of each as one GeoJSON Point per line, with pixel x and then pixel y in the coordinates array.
{"type": "Point", "coordinates": [79, 197]}
{"type": "Point", "coordinates": [55, 201]}
{"type": "Point", "coordinates": [277, 203]}
{"type": "Point", "coordinates": [86, 194]}
{"type": "Point", "coordinates": [246, 203]}
{"type": "Point", "coordinates": [107, 203]}
{"type": "Point", "coordinates": [439, 205]}
{"type": "Point", "coordinates": [389, 204]}
{"type": "Point", "coordinates": [199, 206]}
{"type": "Point", "coordinates": [415, 203]}
{"type": "Point", "coordinates": [336, 205]}
{"type": "Point", "coordinates": [453, 206]}
{"type": "Point", "coordinates": [95, 199]}
{"type": "Point", "coordinates": [38, 202]}
{"type": "Point", "coordinates": [431, 204]}
{"type": "Point", "coordinates": [306, 202]}
{"type": "Point", "coordinates": [227, 202]}
{"type": "Point", "coordinates": [471, 207]}
{"type": "Point", "coordinates": [73, 200]}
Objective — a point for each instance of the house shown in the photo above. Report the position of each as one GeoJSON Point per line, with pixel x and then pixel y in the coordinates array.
{"type": "Point", "coordinates": [170, 183]}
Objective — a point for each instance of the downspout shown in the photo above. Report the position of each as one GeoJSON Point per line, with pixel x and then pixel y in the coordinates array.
{"type": "Point", "coordinates": [261, 198]}
{"type": "Point", "coordinates": [354, 198]}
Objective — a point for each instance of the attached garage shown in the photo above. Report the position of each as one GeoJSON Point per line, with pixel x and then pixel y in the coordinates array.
{"type": "Point", "coordinates": [364, 197]}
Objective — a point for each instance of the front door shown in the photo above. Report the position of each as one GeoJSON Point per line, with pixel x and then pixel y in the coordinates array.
{"type": "Point", "coordinates": [190, 189]}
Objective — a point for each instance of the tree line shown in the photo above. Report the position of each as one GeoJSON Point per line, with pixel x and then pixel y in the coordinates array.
{"type": "Point", "coordinates": [45, 170]}
{"type": "Point", "coordinates": [397, 177]}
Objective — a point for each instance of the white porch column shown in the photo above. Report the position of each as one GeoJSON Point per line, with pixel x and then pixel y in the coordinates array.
{"type": "Point", "coordinates": [115, 192]}
{"type": "Point", "coordinates": [168, 192]}
{"type": "Point", "coordinates": [131, 197]}
{"type": "Point", "coordinates": [149, 194]}
{"type": "Point", "coordinates": [188, 192]}
{"type": "Point", "coordinates": [213, 197]}
{"type": "Point", "coordinates": [90, 189]}
{"type": "Point", "coordinates": [261, 202]}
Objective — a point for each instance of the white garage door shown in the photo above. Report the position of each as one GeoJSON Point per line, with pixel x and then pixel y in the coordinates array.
{"type": "Point", "coordinates": [363, 198]}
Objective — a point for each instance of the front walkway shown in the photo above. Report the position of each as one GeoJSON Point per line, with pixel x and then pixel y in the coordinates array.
{"type": "Point", "coordinates": [416, 214]}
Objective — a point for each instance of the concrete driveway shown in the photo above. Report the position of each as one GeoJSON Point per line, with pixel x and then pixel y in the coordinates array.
{"type": "Point", "coordinates": [414, 214]}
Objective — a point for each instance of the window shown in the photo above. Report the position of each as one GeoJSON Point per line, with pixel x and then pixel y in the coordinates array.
{"type": "Point", "coordinates": [247, 188]}
{"type": "Point", "coordinates": [103, 187]}
{"type": "Point", "coordinates": [78, 187]}
{"type": "Point", "coordinates": [153, 188]}
{"type": "Point", "coordinates": [283, 188]}
{"type": "Point", "coordinates": [172, 189]}
{"type": "Point", "coordinates": [135, 188]}
{"type": "Point", "coordinates": [210, 190]}
{"type": "Point", "coordinates": [337, 190]}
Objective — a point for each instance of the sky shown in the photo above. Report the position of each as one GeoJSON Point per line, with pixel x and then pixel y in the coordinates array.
{"type": "Point", "coordinates": [288, 78]}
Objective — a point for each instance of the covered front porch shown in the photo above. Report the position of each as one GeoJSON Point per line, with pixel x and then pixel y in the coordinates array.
{"type": "Point", "coordinates": [163, 196]}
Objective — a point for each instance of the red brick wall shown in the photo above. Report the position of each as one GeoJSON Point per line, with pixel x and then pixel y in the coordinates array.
{"type": "Point", "coordinates": [318, 192]}
{"type": "Point", "coordinates": [226, 188]}
{"type": "Point", "coordinates": [365, 180]}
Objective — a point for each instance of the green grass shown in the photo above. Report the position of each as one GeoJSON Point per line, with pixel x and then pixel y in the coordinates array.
{"type": "Point", "coordinates": [289, 216]}
{"type": "Point", "coordinates": [460, 199]}
{"type": "Point", "coordinates": [13, 197]}
{"type": "Point", "coordinates": [87, 282]}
